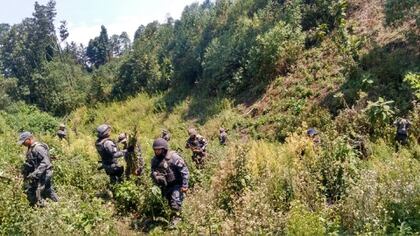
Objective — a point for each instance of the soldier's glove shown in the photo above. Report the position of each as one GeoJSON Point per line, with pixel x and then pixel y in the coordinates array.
{"type": "Point", "coordinates": [160, 180]}
{"type": "Point", "coordinates": [32, 176]}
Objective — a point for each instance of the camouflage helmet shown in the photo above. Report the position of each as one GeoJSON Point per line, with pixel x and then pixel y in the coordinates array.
{"type": "Point", "coordinates": [23, 137]}
{"type": "Point", "coordinates": [62, 125]}
{"type": "Point", "coordinates": [122, 137]}
{"type": "Point", "coordinates": [222, 130]}
{"type": "Point", "coordinates": [160, 143]}
{"type": "Point", "coordinates": [192, 132]}
{"type": "Point", "coordinates": [164, 131]}
{"type": "Point", "coordinates": [311, 132]}
{"type": "Point", "coordinates": [103, 130]}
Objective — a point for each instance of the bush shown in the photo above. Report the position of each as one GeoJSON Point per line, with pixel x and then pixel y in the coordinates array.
{"type": "Point", "coordinates": [275, 51]}
{"type": "Point", "coordinates": [303, 222]}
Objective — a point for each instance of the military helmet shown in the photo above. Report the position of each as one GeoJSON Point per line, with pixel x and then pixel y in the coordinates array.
{"type": "Point", "coordinates": [164, 131]}
{"type": "Point", "coordinates": [222, 130]}
{"type": "Point", "coordinates": [122, 137]}
{"type": "Point", "coordinates": [24, 136]}
{"type": "Point", "coordinates": [62, 125]}
{"type": "Point", "coordinates": [103, 130]}
{"type": "Point", "coordinates": [192, 132]}
{"type": "Point", "coordinates": [160, 143]}
{"type": "Point", "coordinates": [311, 132]}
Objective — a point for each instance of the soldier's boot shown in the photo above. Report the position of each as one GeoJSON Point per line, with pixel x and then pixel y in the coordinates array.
{"type": "Point", "coordinates": [175, 219]}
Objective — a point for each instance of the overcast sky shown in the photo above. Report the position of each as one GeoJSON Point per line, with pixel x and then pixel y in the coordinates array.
{"type": "Point", "coordinates": [85, 17]}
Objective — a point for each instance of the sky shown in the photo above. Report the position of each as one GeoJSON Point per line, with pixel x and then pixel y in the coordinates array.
{"type": "Point", "coordinates": [85, 17]}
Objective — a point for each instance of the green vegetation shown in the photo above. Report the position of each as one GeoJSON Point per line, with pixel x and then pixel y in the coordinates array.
{"type": "Point", "coordinates": [267, 70]}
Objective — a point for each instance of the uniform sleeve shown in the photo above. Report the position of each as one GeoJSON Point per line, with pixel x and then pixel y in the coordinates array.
{"type": "Point", "coordinates": [45, 162]}
{"type": "Point", "coordinates": [203, 142]}
{"type": "Point", "coordinates": [110, 147]}
{"type": "Point", "coordinates": [180, 166]}
{"type": "Point", "coordinates": [153, 171]}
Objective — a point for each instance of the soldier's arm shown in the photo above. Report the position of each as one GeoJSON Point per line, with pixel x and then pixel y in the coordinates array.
{"type": "Point", "coordinates": [153, 173]}
{"type": "Point", "coordinates": [204, 142]}
{"type": "Point", "coordinates": [113, 149]}
{"type": "Point", "coordinates": [180, 165]}
{"type": "Point", "coordinates": [45, 162]}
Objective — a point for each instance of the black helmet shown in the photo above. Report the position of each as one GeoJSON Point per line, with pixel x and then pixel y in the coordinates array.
{"type": "Point", "coordinates": [160, 143]}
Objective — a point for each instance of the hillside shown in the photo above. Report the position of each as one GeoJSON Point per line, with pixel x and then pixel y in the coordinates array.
{"type": "Point", "coordinates": [267, 71]}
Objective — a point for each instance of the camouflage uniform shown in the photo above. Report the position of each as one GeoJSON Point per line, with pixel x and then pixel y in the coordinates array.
{"type": "Point", "coordinates": [314, 135]}
{"type": "Point", "coordinates": [402, 126]}
{"type": "Point", "coordinates": [222, 136]}
{"type": "Point", "coordinates": [62, 133]}
{"type": "Point", "coordinates": [37, 172]}
{"type": "Point", "coordinates": [197, 144]}
{"type": "Point", "coordinates": [109, 153]}
{"type": "Point", "coordinates": [170, 173]}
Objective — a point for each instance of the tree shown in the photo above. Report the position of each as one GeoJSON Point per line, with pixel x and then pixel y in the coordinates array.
{"type": "Point", "coordinates": [99, 49]}
{"type": "Point", "coordinates": [4, 28]}
{"type": "Point", "coordinates": [139, 32]}
{"type": "Point", "coordinates": [119, 44]}
{"type": "Point", "coordinates": [64, 33]}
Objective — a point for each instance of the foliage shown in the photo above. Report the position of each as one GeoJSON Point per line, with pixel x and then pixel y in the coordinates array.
{"type": "Point", "coordinates": [413, 80]}
{"type": "Point", "coordinates": [99, 49]}
{"type": "Point", "coordinates": [266, 70]}
{"type": "Point", "coordinates": [379, 113]}
{"type": "Point", "coordinates": [398, 11]}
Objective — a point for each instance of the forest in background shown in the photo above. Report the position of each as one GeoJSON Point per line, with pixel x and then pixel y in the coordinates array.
{"type": "Point", "coordinates": [265, 69]}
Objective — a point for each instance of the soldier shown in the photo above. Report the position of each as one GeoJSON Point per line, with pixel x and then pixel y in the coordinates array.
{"type": "Point", "coordinates": [358, 143]}
{"type": "Point", "coordinates": [62, 133]}
{"type": "Point", "coordinates": [170, 173]}
{"type": "Point", "coordinates": [222, 136]}
{"type": "Point", "coordinates": [313, 134]}
{"type": "Point", "coordinates": [37, 171]}
{"type": "Point", "coordinates": [402, 126]}
{"type": "Point", "coordinates": [166, 135]}
{"type": "Point", "coordinates": [109, 153]}
{"type": "Point", "coordinates": [123, 139]}
{"type": "Point", "coordinates": [197, 144]}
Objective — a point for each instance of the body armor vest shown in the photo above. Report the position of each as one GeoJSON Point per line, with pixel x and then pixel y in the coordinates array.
{"type": "Point", "coordinates": [106, 157]}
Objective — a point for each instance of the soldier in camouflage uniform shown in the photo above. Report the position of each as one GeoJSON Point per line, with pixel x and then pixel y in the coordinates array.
{"type": "Point", "coordinates": [170, 173]}
{"type": "Point", "coordinates": [222, 136]}
{"type": "Point", "coordinates": [109, 153]}
{"type": "Point", "coordinates": [314, 135]}
{"type": "Point", "coordinates": [197, 144]}
{"type": "Point", "coordinates": [123, 139]}
{"type": "Point", "coordinates": [166, 135]}
{"type": "Point", "coordinates": [37, 171]}
{"type": "Point", "coordinates": [402, 126]}
{"type": "Point", "coordinates": [62, 133]}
